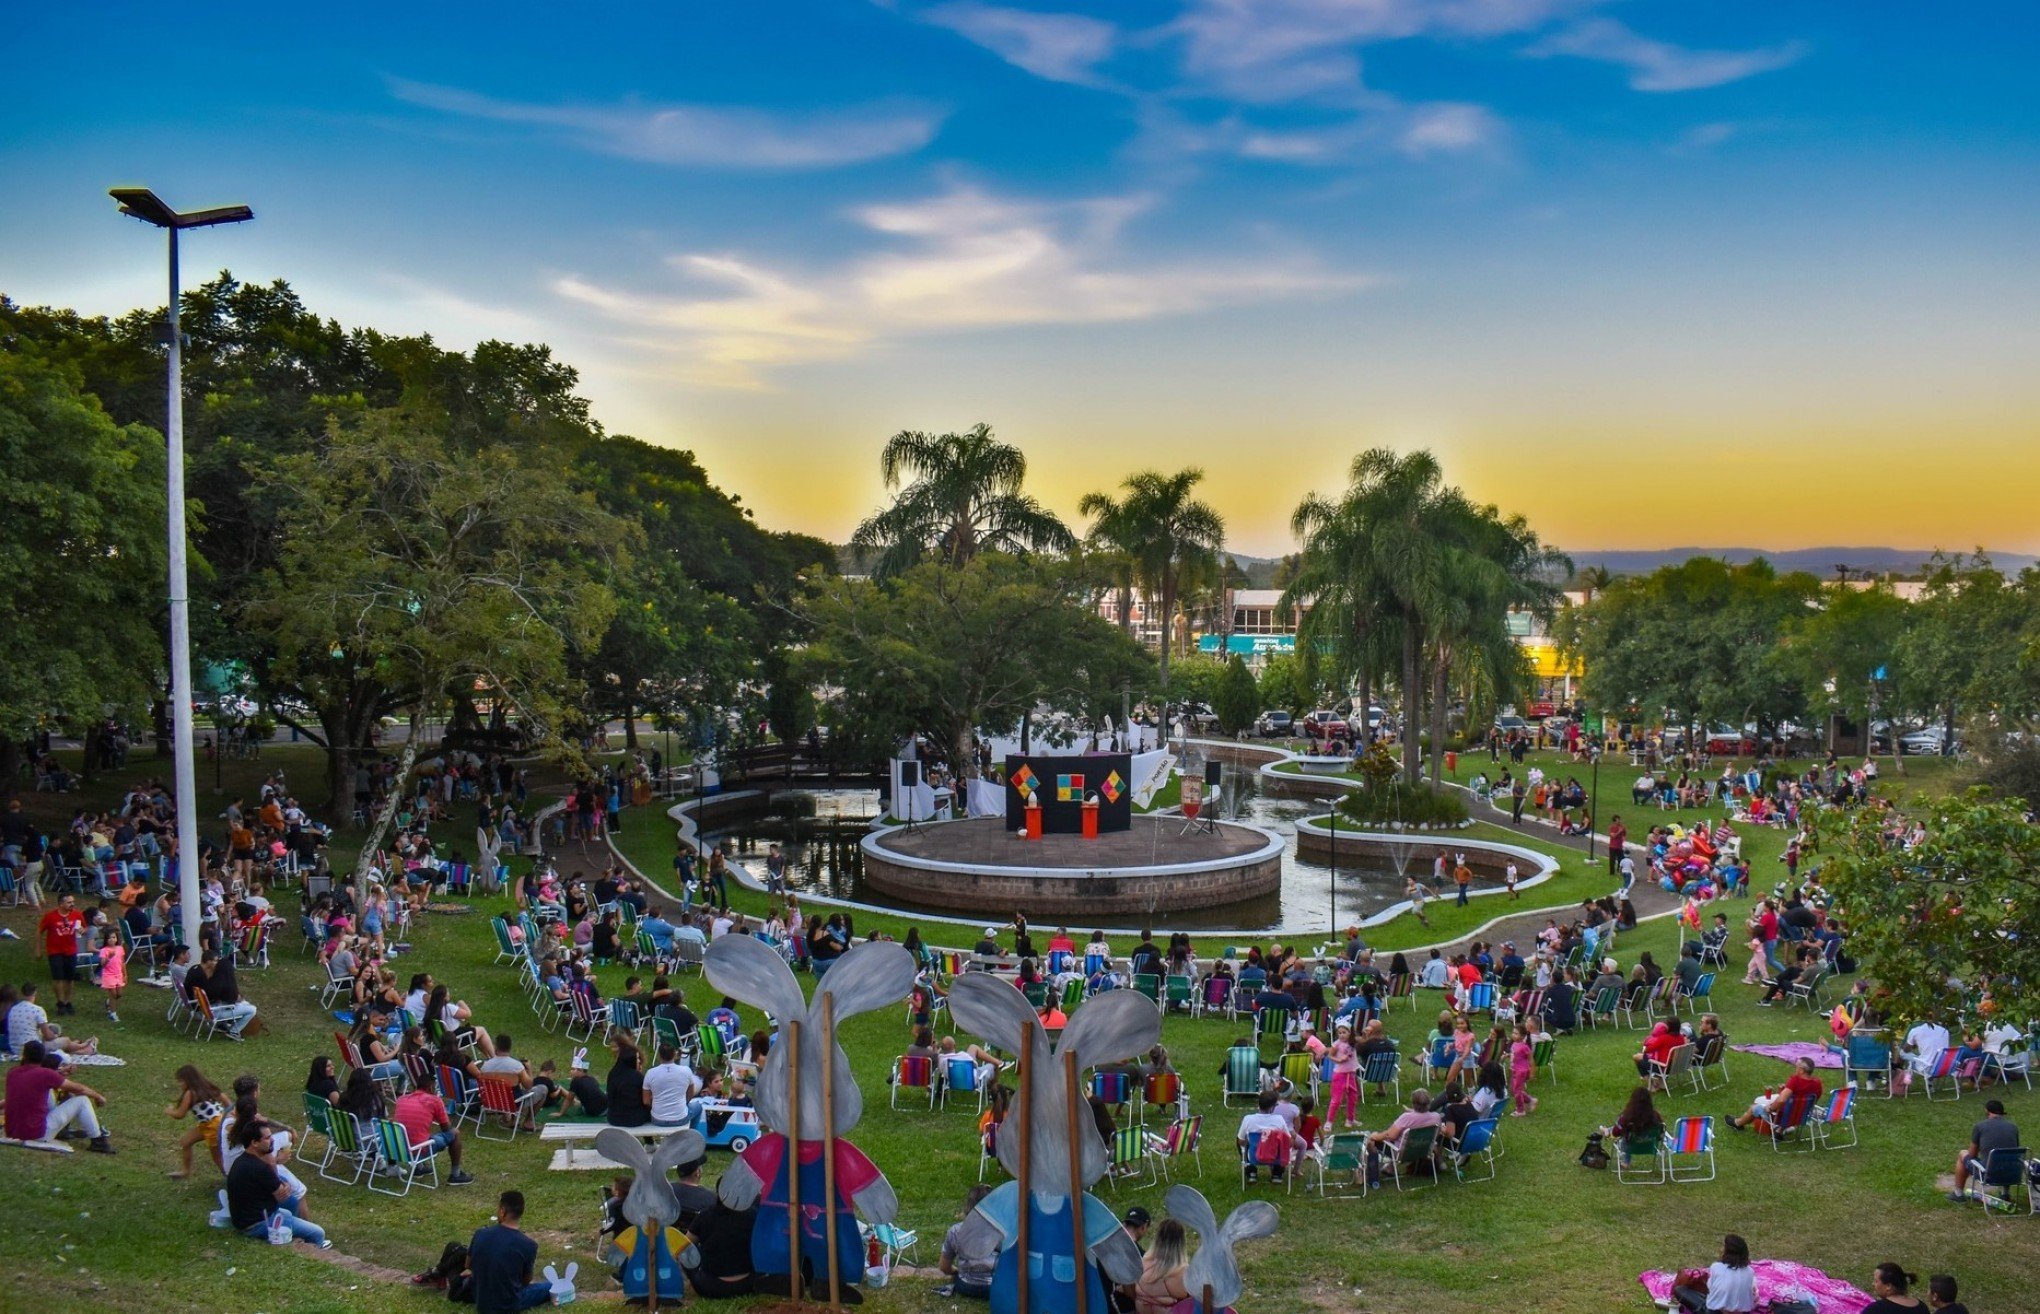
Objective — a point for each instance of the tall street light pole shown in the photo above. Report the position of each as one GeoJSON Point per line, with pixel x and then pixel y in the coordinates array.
{"type": "Point", "coordinates": [143, 204]}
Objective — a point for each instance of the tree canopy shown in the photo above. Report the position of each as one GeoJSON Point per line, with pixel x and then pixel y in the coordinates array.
{"type": "Point", "coordinates": [959, 495]}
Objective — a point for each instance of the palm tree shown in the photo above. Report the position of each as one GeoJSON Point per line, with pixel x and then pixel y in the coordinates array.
{"type": "Point", "coordinates": [1112, 533]}
{"type": "Point", "coordinates": [959, 495]}
{"type": "Point", "coordinates": [1593, 580]}
{"type": "Point", "coordinates": [1165, 531]}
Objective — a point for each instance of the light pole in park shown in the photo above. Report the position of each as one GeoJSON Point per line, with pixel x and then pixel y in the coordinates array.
{"type": "Point", "coordinates": [143, 204]}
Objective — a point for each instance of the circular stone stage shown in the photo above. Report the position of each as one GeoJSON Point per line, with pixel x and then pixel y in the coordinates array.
{"type": "Point", "coordinates": [978, 866]}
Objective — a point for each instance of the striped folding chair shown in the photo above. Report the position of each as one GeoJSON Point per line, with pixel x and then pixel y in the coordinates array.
{"type": "Point", "coordinates": [319, 1122]}
{"type": "Point", "coordinates": [1301, 1072]}
{"type": "Point", "coordinates": [625, 1016]}
{"type": "Point", "coordinates": [1184, 1139]}
{"type": "Point", "coordinates": [710, 1048]}
{"type": "Point", "coordinates": [1790, 1122]}
{"type": "Point", "coordinates": [1689, 1150]}
{"type": "Point", "coordinates": [1162, 1090]}
{"type": "Point", "coordinates": [399, 1160]}
{"type": "Point", "coordinates": [960, 1077]}
{"type": "Point", "coordinates": [1268, 1150]}
{"type": "Point", "coordinates": [1544, 1058]}
{"type": "Point", "coordinates": [1475, 1145]}
{"type": "Point", "coordinates": [1942, 1069]}
{"type": "Point", "coordinates": [349, 1150]}
{"type": "Point", "coordinates": [204, 1025]}
{"type": "Point", "coordinates": [1480, 997]}
{"type": "Point", "coordinates": [1242, 1074]}
{"type": "Point", "coordinates": [913, 1072]}
{"type": "Point", "coordinates": [1383, 1071]}
{"type": "Point", "coordinates": [463, 1100]}
{"type": "Point", "coordinates": [1113, 1089]}
{"type": "Point", "coordinates": [1838, 1112]}
{"type": "Point", "coordinates": [499, 1099]}
{"type": "Point", "coordinates": [1131, 1153]}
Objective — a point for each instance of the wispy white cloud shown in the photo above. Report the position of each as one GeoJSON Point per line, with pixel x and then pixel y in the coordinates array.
{"type": "Point", "coordinates": [1388, 126]}
{"type": "Point", "coordinates": [1272, 51]}
{"type": "Point", "coordinates": [1059, 47]}
{"type": "Point", "coordinates": [704, 135]}
{"type": "Point", "coordinates": [961, 260]}
{"type": "Point", "coordinates": [1704, 135]}
{"type": "Point", "coordinates": [1660, 66]}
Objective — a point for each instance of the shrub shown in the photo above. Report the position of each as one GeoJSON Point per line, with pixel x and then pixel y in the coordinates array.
{"type": "Point", "coordinates": [1377, 805]}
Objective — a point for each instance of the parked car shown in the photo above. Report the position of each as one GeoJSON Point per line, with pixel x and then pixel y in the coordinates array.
{"type": "Point", "coordinates": [1726, 741]}
{"type": "Point", "coordinates": [1323, 724]}
{"type": "Point", "coordinates": [1273, 724]}
{"type": "Point", "coordinates": [1198, 714]}
{"type": "Point", "coordinates": [1928, 741]}
{"type": "Point", "coordinates": [1512, 725]}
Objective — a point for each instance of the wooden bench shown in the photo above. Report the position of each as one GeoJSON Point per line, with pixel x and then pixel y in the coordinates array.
{"type": "Point", "coordinates": [574, 1134]}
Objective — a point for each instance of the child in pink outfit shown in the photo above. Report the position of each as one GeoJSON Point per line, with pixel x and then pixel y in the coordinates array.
{"type": "Point", "coordinates": [1520, 1066]}
{"type": "Point", "coordinates": [113, 975]}
{"type": "Point", "coordinates": [1345, 1079]}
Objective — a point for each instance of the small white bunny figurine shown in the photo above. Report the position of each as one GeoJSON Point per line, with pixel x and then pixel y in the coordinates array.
{"type": "Point", "coordinates": [562, 1283]}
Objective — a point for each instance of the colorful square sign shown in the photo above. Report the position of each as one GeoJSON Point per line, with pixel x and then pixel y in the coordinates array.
{"type": "Point", "coordinates": [1069, 789]}
{"type": "Point", "coordinates": [1024, 779]}
{"type": "Point", "coordinates": [1112, 787]}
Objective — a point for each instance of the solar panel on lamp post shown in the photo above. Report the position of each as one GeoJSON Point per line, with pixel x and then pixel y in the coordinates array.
{"type": "Point", "coordinates": [143, 204]}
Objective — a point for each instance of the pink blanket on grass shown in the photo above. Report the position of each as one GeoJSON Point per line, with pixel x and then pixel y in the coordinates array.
{"type": "Point", "coordinates": [1822, 1056]}
{"type": "Point", "coordinates": [1779, 1279]}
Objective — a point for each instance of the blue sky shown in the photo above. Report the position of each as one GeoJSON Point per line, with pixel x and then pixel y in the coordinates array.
{"type": "Point", "coordinates": [1616, 262]}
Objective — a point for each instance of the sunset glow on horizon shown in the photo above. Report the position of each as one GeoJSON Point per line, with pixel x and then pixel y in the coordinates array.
{"type": "Point", "coordinates": [1651, 275]}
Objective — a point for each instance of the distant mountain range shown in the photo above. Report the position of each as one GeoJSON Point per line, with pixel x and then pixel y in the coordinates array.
{"type": "Point", "coordinates": [1818, 561]}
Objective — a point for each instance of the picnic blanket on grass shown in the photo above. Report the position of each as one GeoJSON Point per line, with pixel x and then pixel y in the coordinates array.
{"type": "Point", "coordinates": [1779, 1279]}
{"type": "Point", "coordinates": [1792, 1052]}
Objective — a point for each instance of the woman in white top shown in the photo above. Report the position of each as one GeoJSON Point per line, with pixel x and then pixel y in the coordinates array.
{"type": "Point", "coordinates": [1731, 1285]}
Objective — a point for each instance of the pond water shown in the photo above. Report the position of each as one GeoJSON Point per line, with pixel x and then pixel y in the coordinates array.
{"type": "Point", "coordinates": [819, 830]}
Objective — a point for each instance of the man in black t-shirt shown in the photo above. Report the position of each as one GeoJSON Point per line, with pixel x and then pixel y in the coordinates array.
{"type": "Point", "coordinates": [695, 1199]}
{"type": "Point", "coordinates": [255, 1190]}
{"type": "Point", "coordinates": [500, 1262]}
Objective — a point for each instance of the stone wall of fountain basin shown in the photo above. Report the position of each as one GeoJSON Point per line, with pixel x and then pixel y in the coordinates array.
{"type": "Point", "coordinates": [1416, 850]}
{"type": "Point", "coordinates": [1043, 893]}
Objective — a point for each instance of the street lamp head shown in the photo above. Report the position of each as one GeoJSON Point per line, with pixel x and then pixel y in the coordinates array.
{"type": "Point", "coordinates": [143, 204]}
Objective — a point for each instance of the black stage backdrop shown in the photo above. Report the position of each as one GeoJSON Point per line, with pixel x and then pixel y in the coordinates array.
{"type": "Point", "coordinates": [1061, 784]}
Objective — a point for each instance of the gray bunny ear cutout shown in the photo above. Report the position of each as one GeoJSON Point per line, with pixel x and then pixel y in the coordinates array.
{"type": "Point", "coordinates": [868, 977]}
{"type": "Point", "coordinates": [684, 1146]}
{"type": "Point", "coordinates": [1215, 1266]}
{"type": "Point", "coordinates": [650, 1202]}
{"type": "Point", "coordinates": [744, 967]}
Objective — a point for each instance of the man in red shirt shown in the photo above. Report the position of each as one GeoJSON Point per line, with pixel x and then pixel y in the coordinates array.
{"type": "Point", "coordinates": [29, 1115]}
{"type": "Point", "coordinates": [1768, 1108]}
{"type": "Point", "coordinates": [59, 943]}
{"type": "Point", "coordinates": [423, 1117]}
{"type": "Point", "coordinates": [1618, 843]}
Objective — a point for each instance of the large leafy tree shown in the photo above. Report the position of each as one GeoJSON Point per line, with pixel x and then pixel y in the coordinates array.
{"type": "Point", "coordinates": [1166, 532]}
{"type": "Point", "coordinates": [81, 555]}
{"type": "Point", "coordinates": [948, 649]}
{"type": "Point", "coordinates": [959, 495]}
{"type": "Point", "coordinates": [1963, 904]}
{"type": "Point", "coordinates": [409, 565]}
{"type": "Point", "coordinates": [1967, 649]}
{"type": "Point", "coordinates": [1846, 653]}
{"type": "Point", "coordinates": [1701, 640]}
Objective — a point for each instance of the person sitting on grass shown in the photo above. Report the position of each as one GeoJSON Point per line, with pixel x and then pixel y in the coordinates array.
{"type": "Point", "coordinates": [500, 1262]}
{"type": "Point", "coordinates": [258, 1193]}
{"type": "Point", "coordinates": [1731, 1285]}
{"type": "Point", "coordinates": [427, 1124]}
{"type": "Point", "coordinates": [970, 1251]}
{"type": "Point", "coordinates": [203, 1103]}
{"type": "Point", "coordinates": [1417, 1115]}
{"type": "Point", "coordinates": [32, 1084]}
{"type": "Point", "coordinates": [1766, 1109]}
{"type": "Point", "coordinates": [1892, 1285]}
{"type": "Point", "coordinates": [1941, 1292]}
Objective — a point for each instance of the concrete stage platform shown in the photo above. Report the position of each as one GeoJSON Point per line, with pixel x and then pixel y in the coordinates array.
{"type": "Point", "coordinates": [979, 866]}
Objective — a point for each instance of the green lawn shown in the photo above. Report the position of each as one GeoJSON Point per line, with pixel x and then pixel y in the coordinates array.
{"type": "Point", "coordinates": [1547, 1234]}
